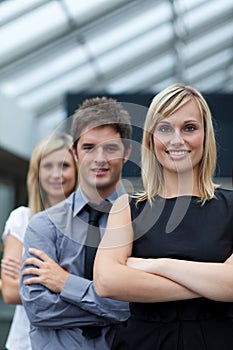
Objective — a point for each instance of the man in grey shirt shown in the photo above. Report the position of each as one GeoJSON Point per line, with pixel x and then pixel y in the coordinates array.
{"type": "Point", "coordinates": [63, 308]}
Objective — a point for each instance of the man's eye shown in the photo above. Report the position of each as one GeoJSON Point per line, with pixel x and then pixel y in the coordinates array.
{"type": "Point", "coordinates": [111, 148]}
{"type": "Point", "coordinates": [88, 147]}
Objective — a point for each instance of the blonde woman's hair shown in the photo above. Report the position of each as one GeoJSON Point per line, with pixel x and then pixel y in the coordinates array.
{"type": "Point", "coordinates": [163, 105]}
{"type": "Point", "coordinates": [37, 197]}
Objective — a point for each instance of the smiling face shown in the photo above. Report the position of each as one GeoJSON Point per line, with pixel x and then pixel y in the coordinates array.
{"type": "Point", "coordinates": [179, 139]}
{"type": "Point", "coordinates": [57, 175]}
{"type": "Point", "coordinates": [100, 154]}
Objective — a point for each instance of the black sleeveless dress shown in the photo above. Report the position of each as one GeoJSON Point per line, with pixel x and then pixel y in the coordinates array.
{"type": "Point", "coordinates": [181, 228]}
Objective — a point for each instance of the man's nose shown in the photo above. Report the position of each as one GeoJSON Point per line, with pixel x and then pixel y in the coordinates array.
{"type": "Point", "coordinates": [100, 154]}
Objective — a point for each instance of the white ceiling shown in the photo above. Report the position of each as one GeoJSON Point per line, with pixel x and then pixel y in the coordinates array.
{"type": "Point", "coordinates": [51, 47]}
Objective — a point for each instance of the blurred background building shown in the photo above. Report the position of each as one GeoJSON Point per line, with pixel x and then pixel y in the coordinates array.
{"type": "Point", "coordinates": [55, 51]}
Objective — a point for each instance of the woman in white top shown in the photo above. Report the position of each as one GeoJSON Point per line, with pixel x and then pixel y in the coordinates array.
{"type": "Point", "coordinates": [52, 176]}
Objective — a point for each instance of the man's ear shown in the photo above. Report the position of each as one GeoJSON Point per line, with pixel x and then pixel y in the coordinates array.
{"type": "Point", "coordinates": [74, 150]}
{"type": "Point", "coordinates": [127, 154]}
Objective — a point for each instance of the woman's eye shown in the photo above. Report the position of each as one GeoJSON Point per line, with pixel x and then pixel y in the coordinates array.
{"type": "Point", "coordinates": [164, 128]}
{"type": "Point", "coordinates": [190, 128]}
{"type": "Point", "coordinates": [65, 165]}
{"type": "Point", "coordinates": [47, 166]}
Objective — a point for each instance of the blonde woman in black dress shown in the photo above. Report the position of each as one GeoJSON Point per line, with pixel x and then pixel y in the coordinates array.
{"type": "Point", "coordinates": [168, 250]}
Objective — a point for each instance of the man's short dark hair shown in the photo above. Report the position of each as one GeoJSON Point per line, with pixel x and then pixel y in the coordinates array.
{"type": "Point", "coordinates": [100, 112]}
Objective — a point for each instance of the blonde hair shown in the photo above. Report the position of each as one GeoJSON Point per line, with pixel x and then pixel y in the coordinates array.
{"type": "Point", "coordinates": [37, 197]}
{"type": "Point", "coordinates": [163, 105]}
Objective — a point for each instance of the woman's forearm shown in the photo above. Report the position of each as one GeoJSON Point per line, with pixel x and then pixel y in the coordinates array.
{"type": "Point", "coordinates": [210, 280]}
{"type": "Point", "coordinates": [10, 290]}
{"type": "Point", "coordinates": [10, 271]}
{"type": "Point", "coordinates": [138, 286]}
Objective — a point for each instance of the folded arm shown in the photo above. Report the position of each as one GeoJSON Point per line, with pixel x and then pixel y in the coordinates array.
{"type": "Point", "coordinates": [10, 270]}
{"type": "Point", "coordinates": [211, 280]}
{"type": "Point", "coordinates": [44, 307]}
{"type": "Point", "coordinates": [114, 279]}
{"type": "Point", "coordinates": [72, 289]}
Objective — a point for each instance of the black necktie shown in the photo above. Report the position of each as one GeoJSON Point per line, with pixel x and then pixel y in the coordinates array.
{"type": "Point", "coordinates": [91, 245]}
{"type": "Point", "coordinates": [93, 235]}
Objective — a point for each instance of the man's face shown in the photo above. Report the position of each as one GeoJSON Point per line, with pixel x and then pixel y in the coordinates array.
{"type": "Point", "coordinates": [100, 156]}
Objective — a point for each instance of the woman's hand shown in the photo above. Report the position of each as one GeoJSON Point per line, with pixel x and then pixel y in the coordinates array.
{"type": "Point", "coordinates": [11, 267]}
{"type": "Point", "coordinates": [210, 280]}
{"type": "Point", "coordinates": [47, 272]}
{"type": "Point", "coordinates": [146, 265]}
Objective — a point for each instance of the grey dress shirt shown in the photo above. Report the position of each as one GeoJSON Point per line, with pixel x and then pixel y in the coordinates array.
{"type": "Point", "coordinates": [56, 318]}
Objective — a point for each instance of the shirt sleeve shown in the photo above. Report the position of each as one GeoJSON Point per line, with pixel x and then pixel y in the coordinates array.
{"type": "Point", "coordinates": [87, 299]}
{"type": "Point", "coordinates": [43, 307]}
{"type": "Point", "coordinates": [16, 223]}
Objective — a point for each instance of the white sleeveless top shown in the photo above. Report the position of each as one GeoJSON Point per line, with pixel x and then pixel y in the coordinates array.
{"type": "Point", "coordinates": [18, 338]}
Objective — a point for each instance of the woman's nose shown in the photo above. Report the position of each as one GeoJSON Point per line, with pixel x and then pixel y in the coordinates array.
{"type": "Point", "coordinates": [56, 172]}
{"type": "Point", "coordinates": [176, 139]}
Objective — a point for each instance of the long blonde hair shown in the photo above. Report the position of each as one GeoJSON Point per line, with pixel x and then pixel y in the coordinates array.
{"type": "Point", "coordinates": [163, 105]}
{"type": "Point", "coordinates": [37, 198]}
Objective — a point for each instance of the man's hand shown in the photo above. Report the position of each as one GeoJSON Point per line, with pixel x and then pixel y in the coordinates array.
{"type": "Point", "coordinates": [47, 272]}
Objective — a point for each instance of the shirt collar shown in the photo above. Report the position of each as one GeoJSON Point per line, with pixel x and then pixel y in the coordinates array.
{"type": "Point", "coordinates": [80, 200]}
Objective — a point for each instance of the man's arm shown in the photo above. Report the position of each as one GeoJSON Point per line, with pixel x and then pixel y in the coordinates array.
{"type": "Point", "coordinates": [87, 299]}
{"type": "Point", "coordinates": [72, 289]}
{"type": "Point", "coordinates": [43, 307]}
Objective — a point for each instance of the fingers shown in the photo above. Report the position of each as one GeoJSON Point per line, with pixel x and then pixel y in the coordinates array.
{"type": "Point", "coordinates": [12, 274]}
{"type": "Point", "coordinates": [11, 267]}
{"type": "Point", "coordinates": [12, 261]}
{"type": "Point", "coordinates": [35, 274]}
{"type": "Point", "coordinates": [31, 271]}
{"type": "Point", "coordinates": [33, 261]}
{"type": "Point", "coordinates": [39, 259]}
{"type": "Point", "coordinates": [33, 280]}
{"type": "Point", "coordinates": [39, 253]}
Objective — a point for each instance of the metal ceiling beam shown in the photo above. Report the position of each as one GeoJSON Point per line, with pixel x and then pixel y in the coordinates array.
{"type": "Point", "coordinates": [31, 52]}
{"type": "Point", "coordinates": [31, 7]}
{"type": "Point", "coordinates": [153, 79]}
{"type": "Point", "coordinates": [92, 59]}
{"type": "Point", "coordinates": [141, 60]}
{"type": "Point", "coordinates": [37, 57]}
{"type": "Point", "coordinates": [209, 71]}
{"type": "Point", "coordinates": [179, 39]}
{"type": "Point", "coordinates": [208, 52]}
{"type": "Point", "coordinates": [132, 64]}
{"type": "Point", "coordinates": [210, 24]}
{"type": "Point", "coordinates": [136, 62]}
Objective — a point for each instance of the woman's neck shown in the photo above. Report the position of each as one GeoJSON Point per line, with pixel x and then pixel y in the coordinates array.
{"type": "Point", "coordinates": [180, 184]}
